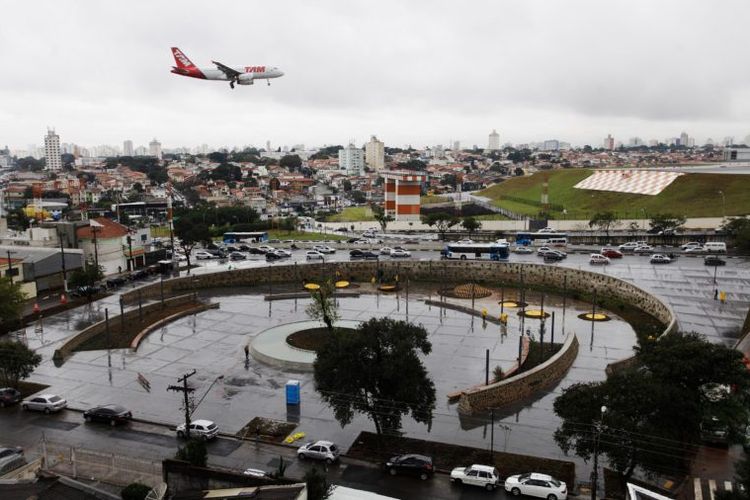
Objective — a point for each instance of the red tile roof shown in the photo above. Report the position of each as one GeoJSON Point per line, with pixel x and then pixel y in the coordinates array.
{"type": "Point", "coordinates": [108, 229]}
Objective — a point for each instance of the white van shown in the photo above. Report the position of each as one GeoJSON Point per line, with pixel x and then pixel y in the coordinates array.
{"type": "Point", "coordinates": [715, 247]}
{"type": "Point", "coordinates": [557, 242]}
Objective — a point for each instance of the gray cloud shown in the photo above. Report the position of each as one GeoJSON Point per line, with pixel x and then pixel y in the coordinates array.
{"type": "Point", "coordinates": [421, 71]}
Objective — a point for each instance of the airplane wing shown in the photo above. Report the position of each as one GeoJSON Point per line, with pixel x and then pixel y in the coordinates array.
{"type": "Point", "coordinates": [231, 73]}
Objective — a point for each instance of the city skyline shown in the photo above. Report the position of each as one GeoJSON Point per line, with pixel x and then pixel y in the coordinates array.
{"type": "Point", "coordinates": [440, 74]}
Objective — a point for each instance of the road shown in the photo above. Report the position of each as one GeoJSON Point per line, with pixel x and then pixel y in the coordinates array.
{"type": "Point", "coordinates": [153, 442]}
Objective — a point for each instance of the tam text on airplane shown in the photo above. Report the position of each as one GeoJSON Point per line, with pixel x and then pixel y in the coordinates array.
{"type": "Point", "coordinates": [243, 75]}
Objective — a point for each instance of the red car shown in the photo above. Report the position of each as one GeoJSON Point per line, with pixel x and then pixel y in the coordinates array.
{"type": "Point", "coordinates": [611, 253]}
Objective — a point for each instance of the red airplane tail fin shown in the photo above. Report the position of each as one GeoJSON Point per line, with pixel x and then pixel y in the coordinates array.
{"type": "Point", "coordinates": [181, 59]}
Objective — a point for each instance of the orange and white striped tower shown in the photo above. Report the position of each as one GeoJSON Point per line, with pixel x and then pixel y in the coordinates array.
{"type": "Point", "coordinates": [402, 191]}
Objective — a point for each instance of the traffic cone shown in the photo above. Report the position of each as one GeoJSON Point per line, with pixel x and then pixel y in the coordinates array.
{"type": "Point", "coordinates": [36, 309]}
{"type": "Point", "coordinates": [63, 299]}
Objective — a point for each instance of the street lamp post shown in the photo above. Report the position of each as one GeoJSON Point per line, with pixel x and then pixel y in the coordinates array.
{"type": "Point", "coordinates": [595, 471]}
{"type": "Point", "coordinates": [723, 206]}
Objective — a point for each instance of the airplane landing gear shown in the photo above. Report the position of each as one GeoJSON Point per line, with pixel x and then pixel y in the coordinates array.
{"type": "Point", "coordinates": [231, 83]}
{"type": "Point", "coordinates": [268, 82]}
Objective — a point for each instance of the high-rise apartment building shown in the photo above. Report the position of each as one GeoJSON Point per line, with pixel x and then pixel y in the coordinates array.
{"type": "Point", "coordinates": [609, 142]}
{"type": "Point", "coordinates": [494, 141]}
{"type": "Point", "coordinates": [53, 160]}
{"type": "Point", "coordinates": [456, 145]}
{"type": "Point", "coordinates": [352, 159]}
{"type": "Point", "coordinates": [684, 139]}
{"type": "Point", "coordinates": [154, 149]}
{"type": "Point", "coordinates": [127, 148]}
{"type": "Point", "coordinates": [375, 154]}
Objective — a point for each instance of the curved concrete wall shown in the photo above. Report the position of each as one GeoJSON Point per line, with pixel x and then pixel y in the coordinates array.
{"type": "Point", "coordinates": [490, 273]}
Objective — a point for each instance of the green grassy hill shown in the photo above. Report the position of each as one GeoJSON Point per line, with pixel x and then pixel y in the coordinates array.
{"type": "Point", "coordinates": [692, 195]}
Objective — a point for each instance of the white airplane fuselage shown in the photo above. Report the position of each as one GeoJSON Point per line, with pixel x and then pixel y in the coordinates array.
{"type": "Point", "coordinates": [242, 75]}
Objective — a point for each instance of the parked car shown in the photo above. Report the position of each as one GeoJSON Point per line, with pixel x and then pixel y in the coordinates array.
{"type": "Point", "coordinates": [112, 414]}
{"type": "Point", "coordinates": [597, 258]}
{"type": "Point", "coordinates": [319, 450]}
{"type": "Point", "coordinates": [116, 281]}
{"type": "Point", "coordinates": [412, 464]}
{"type": "Point", "coordinates": [47, 403]}
{"type": "Point", "coordinates": [256, 473]}
{"type": "Point", "coordinates": [85, 291]}
{"type": "Point", "coordinates": [386, 251]}
{"type": "Point", "coordinates": [643, 249]}
{"type": "Point", "coordinates": [714, 432]}
{"type": "Point", "coordinates": [690, 244]}
{"type": "Point", "coordinates": [397, 253]}
{"type": "Point", "coordinates": [611, 253]}
{"type": "Point", "coordinates": [485, 476]}
{"type": "Point", "coordinates": [546, 230]}
{"type": "Point", "coordinates": [237, 256]}
{"type": "Point", "coordinates": [536, 485]}
{"type": "Point", "coordinates": [199, 429]}
{"type": "Point", "coordinates": [11, 458]}
{"type": "Point", "coordinates": [9, 396]}
{"type": "Point", "coordinates": [324, 249]}
{"type": "Point", "coordinates": [204, 255]}
{"type": "Point", "coordinates": [361, 254]}
{"type": "Point", "coordinates": [660, 259]}
{"type": "Point", "coordinates": [713, 260]}
{"type": "Point", "coordinates": [314, 255]}
{"type": "Point", "coordinates": [523, 250]}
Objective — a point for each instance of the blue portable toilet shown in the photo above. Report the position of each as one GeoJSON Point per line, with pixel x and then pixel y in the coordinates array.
{"type": "Point", "coordinates": [292, 392]}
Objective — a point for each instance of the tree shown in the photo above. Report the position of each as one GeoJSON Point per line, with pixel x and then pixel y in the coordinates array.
{"type": "Point", "coordinates": [677, 379]}
{"type": "Point", "coordinates": [471, 224]}
{"type": "Point", "coordinates": [291, 162]}
{"type": "Point", "coordinates": [135, 491]}
{"type": "Point", "coordinates": [518, 172]}
{"type": "Point", "coordinates": [358, 196]}
{"type": "Point", "coordinates": [194, 452]}
{"type": "Point", "coordinates": [190, 233]}
{"type": "Point", "coordinates": [86, 277]}
{"type": "Point", "coordinates": [604, 221]}
{"type": "Point", "coordinates": [666, 224]}
{"type": "Point", "coordinates": [347, 184]}
{"type": "Point", "coordinates": [318, 487]}
{"type": "Point", "coordinates": [289, 224]}
{"type": "Point", "coordinates": [417, 165]}
{"type": "Point", "coordinates": [323, 306]}
{"type": "Point", "coordinates": [742, 477]}
{"type": "Point", "coordinates": [738, 231]}
{"type": "Point", "coordinates": [441, 220]}
{"type": "Point", "coordinates": [377, 370]}
{"type": "Point", "coordinates": [381, 217]}
{"type": "Point", "coordinates": [11, 305]}
{"type": "Point", "coordinates": [16, 362]}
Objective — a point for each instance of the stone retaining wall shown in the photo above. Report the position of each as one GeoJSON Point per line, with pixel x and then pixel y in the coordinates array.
{"type": "Point", "coordinates": [488, 273]}
{"type": "Point", "coordinates": [100, 328]}
{"type": "Point", "coordinates": [523, 385]}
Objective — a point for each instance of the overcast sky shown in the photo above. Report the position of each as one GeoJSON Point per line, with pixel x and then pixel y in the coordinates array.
{"type": "Point", "coordinates": [411, 72]}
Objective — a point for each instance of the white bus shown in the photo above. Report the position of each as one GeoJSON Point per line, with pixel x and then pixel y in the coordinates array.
{"type": "Point", "coordinates": [498, 250]}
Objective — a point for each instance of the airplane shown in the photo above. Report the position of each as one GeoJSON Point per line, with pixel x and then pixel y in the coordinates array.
{"type": "Point", "coordinates": [245, 75]}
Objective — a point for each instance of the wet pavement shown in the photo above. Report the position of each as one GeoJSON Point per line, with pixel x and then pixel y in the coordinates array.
{"type": "Point", "coordinates": [212, 343]}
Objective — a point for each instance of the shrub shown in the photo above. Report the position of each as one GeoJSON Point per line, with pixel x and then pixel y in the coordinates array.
{"type": "Point", "coordinates": [135, 491]}
{"type": "Point", "coordinates": [193, 452]}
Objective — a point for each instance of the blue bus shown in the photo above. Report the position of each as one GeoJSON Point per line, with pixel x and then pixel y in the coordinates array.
{"type": "Point", "coordinates": [542, 238]}
{"type": "Point", "coordinates": [499, 251]}
{"type": "Point", "coordinates": [238, 237]}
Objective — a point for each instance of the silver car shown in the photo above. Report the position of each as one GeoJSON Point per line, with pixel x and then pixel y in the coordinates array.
{"type": "Point", "coordinates": [319, 450]}
{"type": "Point", "coordinates": [47, 403]}
{"type": "Point", "coordinates": [11, 458]}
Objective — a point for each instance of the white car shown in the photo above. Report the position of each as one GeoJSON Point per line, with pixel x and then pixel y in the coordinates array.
{"type": "Point", "coordinates": [643, 249]}
{"type": "Point", "coordinates": [283, 253]}
{"type": "Point", "coordinates": [386, 251]}
{"type": "Point", "coordinates": [202, 255]}
{"type": "Point", "coordinates": [629, 246]}
{"type": "Point", "coordinates": [266, 248]}
{"type": "Point", "coordinates": [660, 259]}
{"type": "Point", "coordinates": [255, 473]}
{"type": "Point", "coordinates": [485, 476]}
{"type": "Point", "coordinates": [399, 253]}
{"type": "Point", "coordinates": [597, 258]}
{"type": "Point", "coordinates": [203, 429]}
{"type": "Point", "coordinates": [314, 255]}
{"type": "Point", "coordinates": [47, 403]}
{"type": "Point", "coordinates": [543, 250]}
{"type": "Point", "coordinates": [690, 244]}
{"type": "Point", "coordinates": [324, 249]}
{"type": "Point", "coordinates": [546, 230]}
{"type": "Point", "coordinates": [319, 450]}
{"type": "Point", "coordinates": [700, 249]}
{"type": "Point", "coordinates": [536, 485]}
{"type": "Point", "coordinates": [523, 250]}
{"type": "Point", "coordinates": [464, 242]}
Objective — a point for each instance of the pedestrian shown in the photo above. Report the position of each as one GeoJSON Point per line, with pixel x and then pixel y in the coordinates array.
{"type": "Point", "coordinates": [119, 269]}
{"type": "Point", "coordinates": [716, 294]}
{"type": "Point", "coordinates": [247, 353]}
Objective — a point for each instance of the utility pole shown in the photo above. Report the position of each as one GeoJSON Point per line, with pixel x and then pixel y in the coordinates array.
{"type": "Point", "coordinates": [62, 258]}
{"type": "Point", "coordinates": [185, 392]}
{"type": "Point", "coordinates": [10, 267]}
{"type": "Point", "coordinates": [595, 472]}
{"type": "Point", "coordinates": [130, 253]}
{"type": "Point", "coordinates": [94, 230]}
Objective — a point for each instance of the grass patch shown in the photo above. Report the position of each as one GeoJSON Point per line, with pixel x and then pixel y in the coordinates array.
{"type": "Point", "coordinates": [433, 198]}
{"type": "Point", "coordinates": [120, 339]}
{"type": "Point", "coordinates": [280, 234]}
{"type": "Point", "coordinates": [29, 388]}
{"type": "Point", "coordinates": [311, 339]}
{"type": "Point", "coordinates": [352, 214]}
{"type": "Point", "coordinates": [491, 217]}
{"type": "Point", "coordinates": [692, 195]}
{"type": "Point", "coordinates": [374, 448]}
{"type": "Point", "coordinates": [159, 231]}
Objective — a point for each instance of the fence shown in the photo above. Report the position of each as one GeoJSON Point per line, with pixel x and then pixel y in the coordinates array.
{"type": "Point", "coordinates": [112, 468]}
